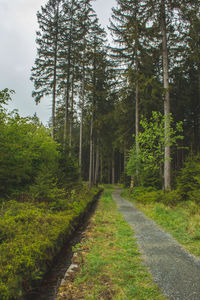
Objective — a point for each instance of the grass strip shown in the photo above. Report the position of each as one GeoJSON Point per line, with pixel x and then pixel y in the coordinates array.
{"type": "Point", "coordinates": [30, 237]}
{"type": "Point", "coordinates": [110, 266]}
{"type": "Point", "coordinates": [181, 220]}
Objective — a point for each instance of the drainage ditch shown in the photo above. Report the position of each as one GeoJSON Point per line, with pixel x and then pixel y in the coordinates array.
{"type": "Point", "coordinates": [51, 282]}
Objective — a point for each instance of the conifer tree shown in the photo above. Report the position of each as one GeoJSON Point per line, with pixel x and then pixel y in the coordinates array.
{"type": "Point", "coordinates": [127, 27]}
{"type": "Point", "coordinates": [160, 14]}
{"type": "Point", "coordinates": [87, 18]}
{"type": "Point", "coordinates": [45, 72]}
{"type": "Point", "coordinates": [69, 55]}
{"type": "Point", "coordinates": [96, 88]}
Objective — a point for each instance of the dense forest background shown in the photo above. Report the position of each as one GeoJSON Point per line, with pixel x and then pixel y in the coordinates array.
{"type": "Point", "coordinates": [126, 112]}
{"type": "Point", "coordinates": [103, 96]}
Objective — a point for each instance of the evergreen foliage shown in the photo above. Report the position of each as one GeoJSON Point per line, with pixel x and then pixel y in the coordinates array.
{"type": "Point", "coordinates": [188, 181]}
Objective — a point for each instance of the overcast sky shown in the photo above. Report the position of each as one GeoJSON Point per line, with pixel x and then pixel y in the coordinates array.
{"type": "Point", "coordinates": [18, 24]}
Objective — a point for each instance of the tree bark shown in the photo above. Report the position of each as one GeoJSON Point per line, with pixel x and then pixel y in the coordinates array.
{"type": "Point", "coordinates": [113, 169]}
{"type": "Point", "coordinates": [97, 163]}
{"type": "Point", "coordinates": [137, 111]}
{"type": "Point", "coordinates": [71, 114]}
{"type": "Point", "coordinates": [81, 127]}
{"type": "Point", "coordinates": [101, 174]}
{"type": "Point", "coordinates": [55, 75]}
{"type": "Point", "coordinates": [91, 155]}
{"type": "Point", "coordinates": [82, 115]}
{"type": "Point", "coordinates": [66, 121]}
{"type": "Point", "coordinates": [67, 100]}
{"type": "Point", "coordinates": [167, 155]}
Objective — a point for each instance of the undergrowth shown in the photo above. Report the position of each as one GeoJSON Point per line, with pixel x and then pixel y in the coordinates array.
{"type": "Point", "coordinates": [30, 236]}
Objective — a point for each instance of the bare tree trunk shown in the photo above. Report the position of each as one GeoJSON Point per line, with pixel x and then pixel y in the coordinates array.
{"type": "Point", "coordinates": [120, 168]}
{"type": "Point", "coordinates": [67, 104]}
{"type": "Point", "coordinates": [91, 155]}
{"type": "Point", "coordinates": [93, 159]}
{"type": "Point", "coordinates": [81, 134]}
{"type": "Point", "coordinates": [137, 112]}
{"type": "Point", "coordinates": [55, 76]}
{"type": "Point", "coordinates": [113, 169]}
{"type": "Point", "coordinates": [125, 158]}
{"type": "Point", "coordinates": [82, 116]}
{"type": "Point", "coordinates": [97, 163]}
{"type": "Point", "coordinates": [67, 95]}
{"type": "Point", "coordinates": [101, 174]}
{"type": "Point", "coordinates": [108, 171]}
{"type": "Point", "coordinates": [167, 156]}
{"type": "Point", "coordinates": [54, 106]}
{"type": "Point", "coordinates": [72, 115]}
{"type": "Point", "coordinates": [136, 122]}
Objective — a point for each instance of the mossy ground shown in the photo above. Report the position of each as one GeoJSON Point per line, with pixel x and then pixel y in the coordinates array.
{"type": "Point", "coordinates": [110, 266]}
{"type": "Point", "coordinates": [30, 237]}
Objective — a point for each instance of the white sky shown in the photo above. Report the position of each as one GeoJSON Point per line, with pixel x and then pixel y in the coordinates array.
{"type": "Point", "coordinates": [18, 24]}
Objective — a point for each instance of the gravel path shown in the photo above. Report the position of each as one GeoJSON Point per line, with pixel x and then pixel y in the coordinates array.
{"type": "Point", "coordinates": [175, 271]}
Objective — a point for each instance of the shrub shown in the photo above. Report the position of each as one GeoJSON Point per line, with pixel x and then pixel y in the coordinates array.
{"type": "Point", "coordinates": [25, 149]}
{"type": "Point", "coordinates": [171, 198]}
{"type": "Point", "coordinates": [149, 197]}
{"type": "Point", "coordinates": [188, 182]}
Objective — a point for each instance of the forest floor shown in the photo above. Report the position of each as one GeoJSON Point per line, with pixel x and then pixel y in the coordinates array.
{"type": "Point", "coordinates": [175, 271]}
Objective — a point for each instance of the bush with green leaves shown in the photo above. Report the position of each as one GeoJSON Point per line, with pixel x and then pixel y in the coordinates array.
{"type": "Point", "coordinates": [26, 148]}
{"type": "Point", "coordinates": [146, 164]}
{"type": "Point", "coordinates": [31, 162]}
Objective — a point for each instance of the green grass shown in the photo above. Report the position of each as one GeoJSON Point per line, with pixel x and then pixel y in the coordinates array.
{"type": "Point", "coordinates": [181, 220]}
{"type": "Point", "coordinates": [111, 266]}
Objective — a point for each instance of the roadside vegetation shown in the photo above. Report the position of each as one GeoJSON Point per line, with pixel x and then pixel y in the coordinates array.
{"type": "Point", "coordinates": [176, 211]}
{"type": "Point", "coordinates": [110, 266]}
{"type": "Point", "coordinates": [31, 234]}
{"type": "Point", "coordinates": [41, 200]}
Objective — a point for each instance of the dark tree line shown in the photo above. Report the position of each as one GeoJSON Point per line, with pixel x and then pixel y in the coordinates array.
{"type": "Point", "coordinates": [100, 93]}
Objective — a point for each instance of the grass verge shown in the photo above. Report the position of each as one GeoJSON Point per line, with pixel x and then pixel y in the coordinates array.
{"type": "Point", "coordinates": [30, 237]}
{"type": "Point", "coordinates": [181, 220]}
{"type": "Point", "coordinates": [110, 266]}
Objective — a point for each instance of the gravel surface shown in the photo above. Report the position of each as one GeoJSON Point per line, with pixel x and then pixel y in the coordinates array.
{"type": "Point", "coordinates": [175, 271]}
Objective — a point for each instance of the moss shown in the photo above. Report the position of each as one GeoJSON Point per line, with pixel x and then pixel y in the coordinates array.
{"type": "Point", "coordinates": [30, 237]}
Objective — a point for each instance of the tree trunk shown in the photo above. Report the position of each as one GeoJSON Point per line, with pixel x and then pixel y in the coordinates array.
{"type": "Point", "coordinates": [109, 168]}
{"type": "Point", "coordinates": [93, 159]}
{"type": "Point", "coordinates": [55, 76]}
{"type": "Point", "coordinates": [136, 121]}
{"type": "Point", "coordinates": [54, 105]}
{"type": "Point", "coordinates": [82, 115]}
{"type": "Point", "coordinates": [81, 129]}
{"type": "Point", "coordinates": [91, 155]}
{"type": "Point", "coordinates": [67, 101]}
{"type": "Point", "coordinates": [97, 163]}
{"type": "Point", "coordinates": [68, 79]}
{"type": "Point", "coordinates": [72, 115]}
{"type": "Point", "coordinates": [167, 156]}
{"type": "Point", "coordinates": [113, 169]}
{"type": "Point", "coordinates": [101, 174]}
{"type": "Point", "coordinates": [137, 112]}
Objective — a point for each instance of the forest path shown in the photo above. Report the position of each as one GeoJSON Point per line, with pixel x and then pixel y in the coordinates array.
{"type": "Point", "coordinates": [176, 272]}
